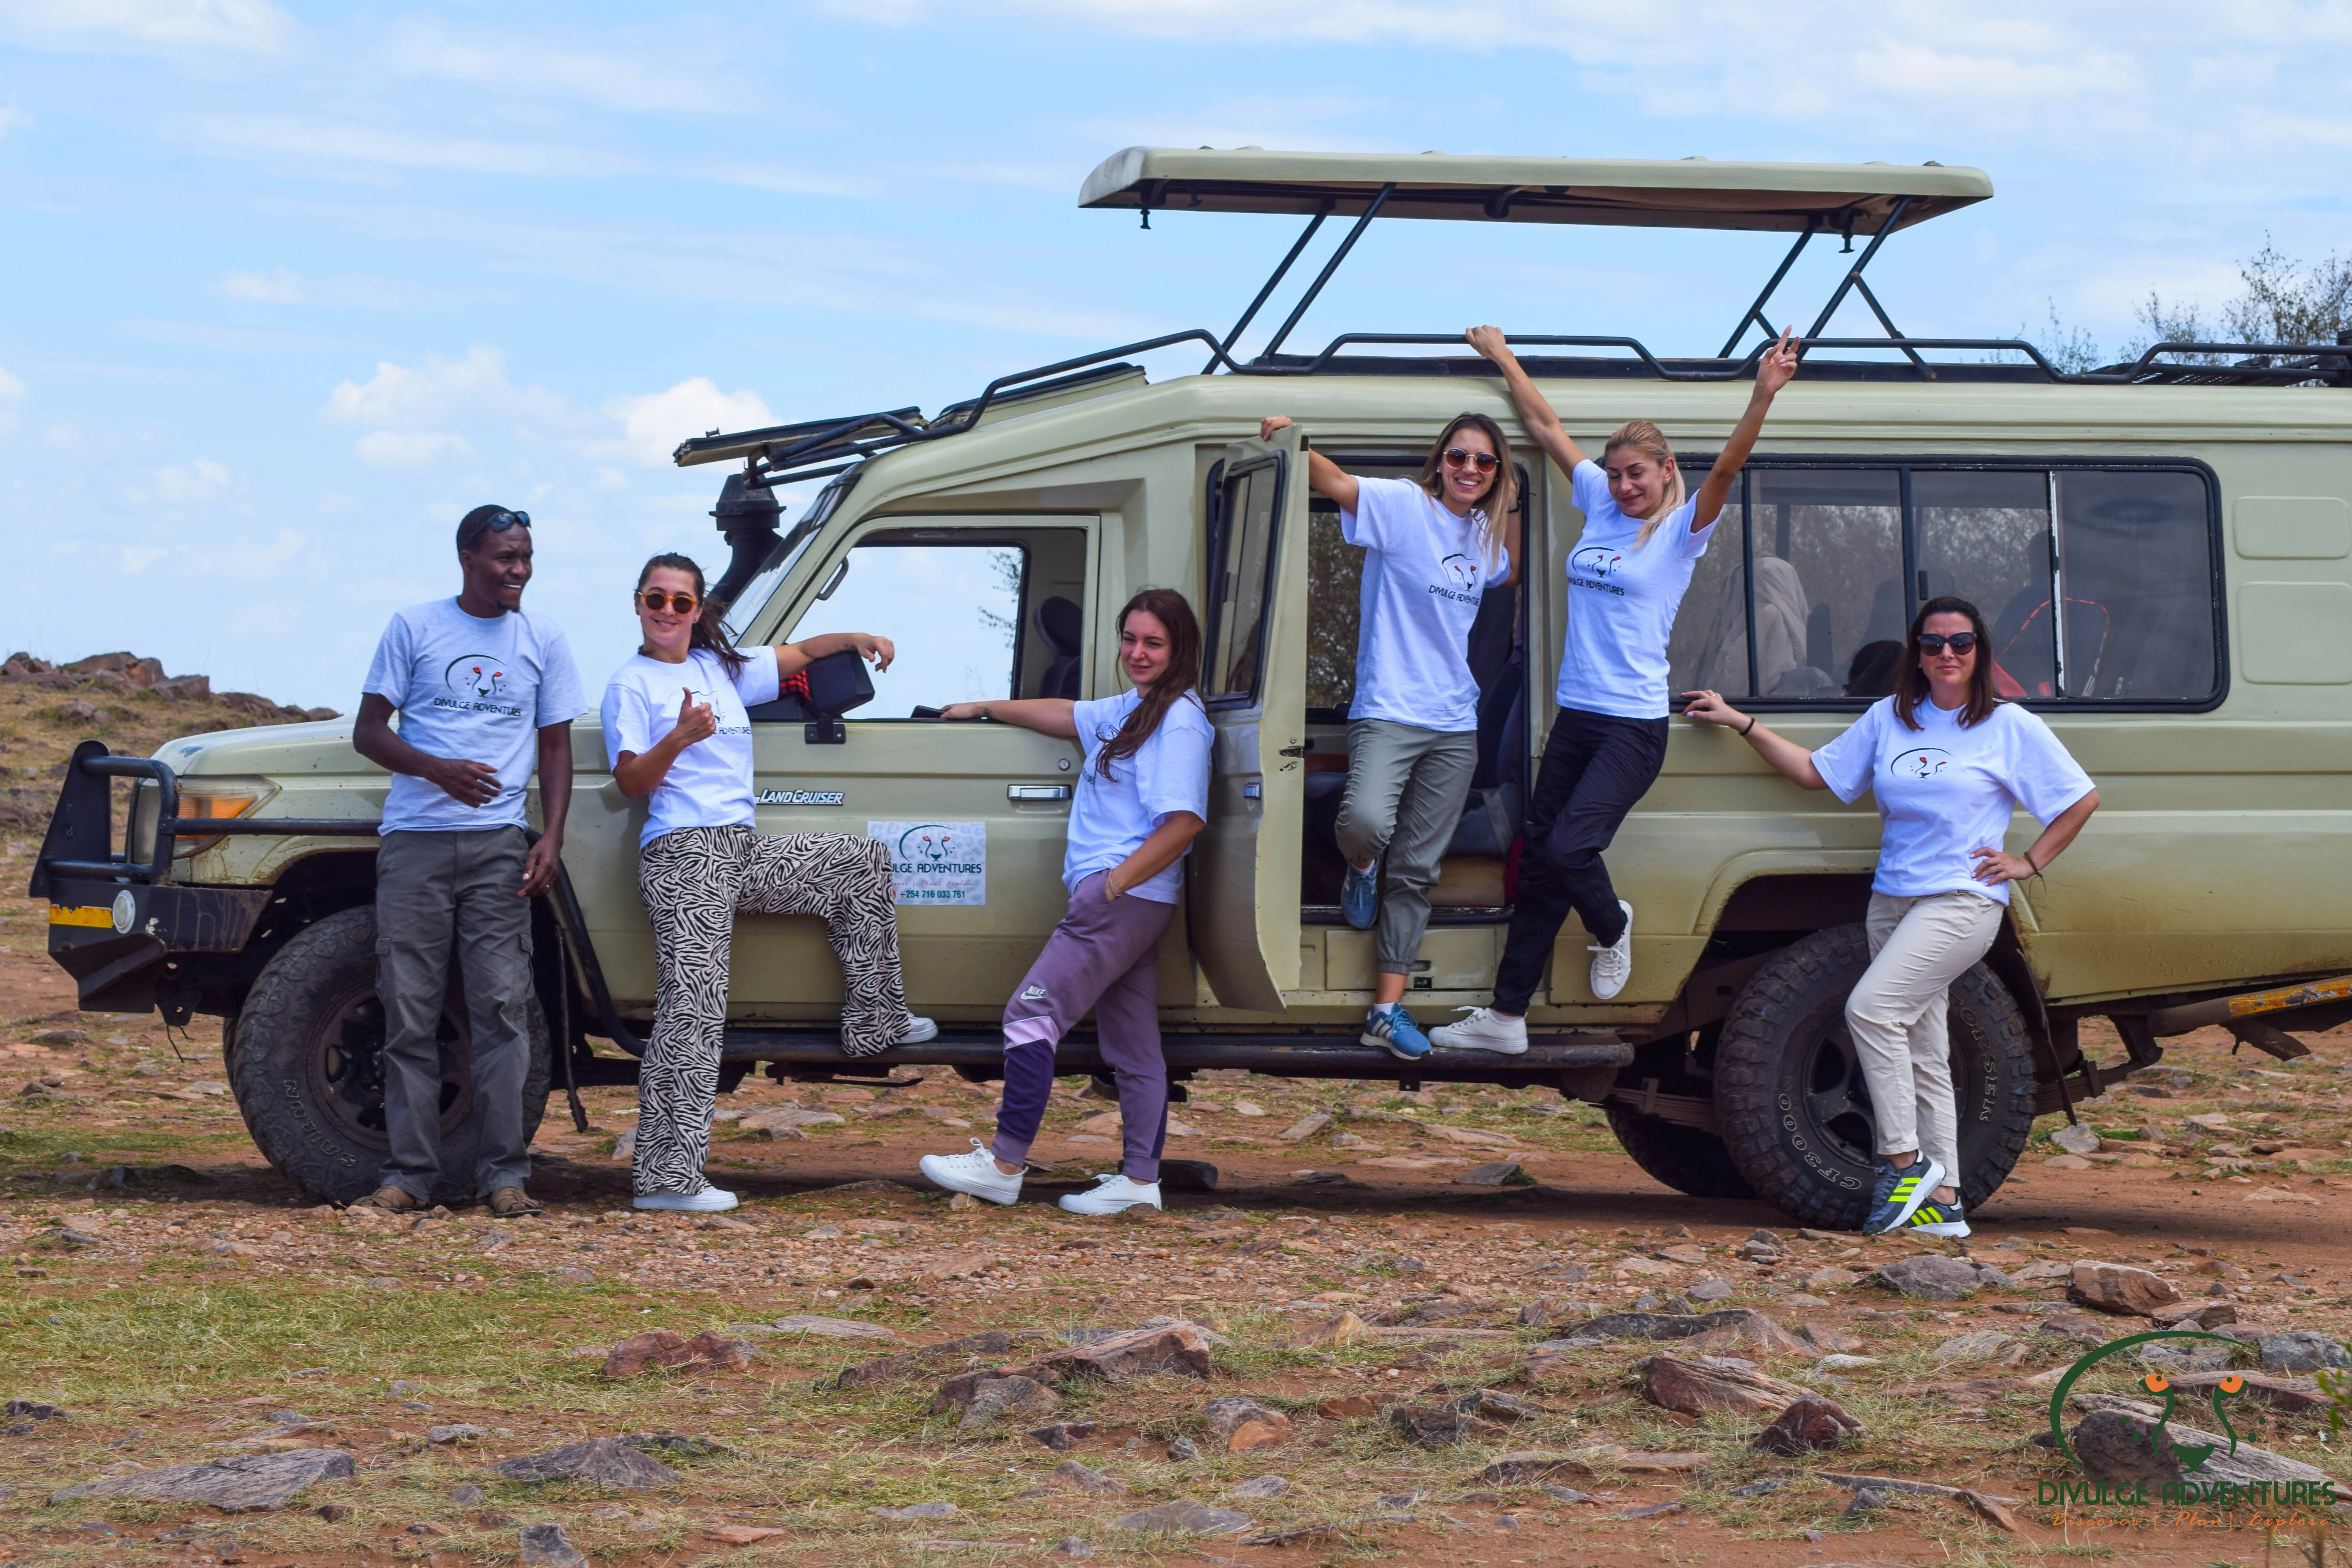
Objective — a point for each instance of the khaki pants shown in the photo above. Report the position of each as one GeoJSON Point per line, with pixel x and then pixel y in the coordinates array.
{"type": "Point", "coordinates": [1896, 1014]}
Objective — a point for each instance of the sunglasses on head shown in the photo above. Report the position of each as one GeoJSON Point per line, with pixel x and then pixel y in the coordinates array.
{"type": "Point", "coordinates": [507, 520]}
{"type": "Point", "coordinates": [1463, 457]}
{"type": "Point", "coordinates": [655, 599]}
{"type": "Point", "coordinates": [1933, 642]}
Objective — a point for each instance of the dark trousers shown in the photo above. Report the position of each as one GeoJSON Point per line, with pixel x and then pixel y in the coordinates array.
{"type": "Point", "coordinates": [1594, 768]}
{"type": "Point", "coordinates": [439, 894]}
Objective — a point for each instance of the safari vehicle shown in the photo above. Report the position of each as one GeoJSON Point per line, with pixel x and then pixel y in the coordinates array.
{"type": "Point", "coordinates": [2164, 547]}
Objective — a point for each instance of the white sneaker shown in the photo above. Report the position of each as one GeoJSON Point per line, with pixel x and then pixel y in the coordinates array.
{"type": "Point", "coordinates": [1112, 1194]}
{"type": "Point", "coordinates": [917, 1031]}
{"type": "Point", "coordinates": [709, 1200]}
{"type": "Point", "coordinates": [975, 1172]}
{"type": "Point", "coordinates": [1614, 965]}
{"type": "Point", "coordinates": [1483, 1030]}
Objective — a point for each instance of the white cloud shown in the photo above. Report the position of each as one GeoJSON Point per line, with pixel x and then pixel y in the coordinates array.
{"type": "Point", "coordinates": [653, 424]}
{"type": "Point", "coordinates": [251, 26]}
{"type": "Point", "coordinates": [632, 73]}
{"type": "Point", "coordinates": [277, 286]}
{"type": "Point", "coordinates": [12, 389]}
{"type": "Point", "coordinates": [195, 481]}
{"type": "Point", "coordinates": [303, 140]}
{"type": "Point", "coordinates": [438, 392]}
{"type": "Point", "coordinates": [406, 449]}
{"type": "Point", "coordinates": [137, 557]}
{"type": "Point", "coordinates": [13, 119]}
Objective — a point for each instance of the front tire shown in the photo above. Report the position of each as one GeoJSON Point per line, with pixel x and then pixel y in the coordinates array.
{"type": "Point", "coordinates": [1790, 1097]}
{"type": "Point", "coordinates": [307, 1064]}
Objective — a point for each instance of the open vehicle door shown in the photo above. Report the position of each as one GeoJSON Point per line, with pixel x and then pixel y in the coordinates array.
{"type": "Point", "coordinates": [1245, 866]}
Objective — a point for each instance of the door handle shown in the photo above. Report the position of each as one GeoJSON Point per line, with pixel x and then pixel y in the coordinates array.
{"type": "Point", "coordinates": [1036, 792]}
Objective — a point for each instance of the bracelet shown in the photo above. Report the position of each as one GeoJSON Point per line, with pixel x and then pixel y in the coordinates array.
{"type": "Point", "coordinates": [2028, 858]}
{"type": "Point", "coordinates": [1751, 724]}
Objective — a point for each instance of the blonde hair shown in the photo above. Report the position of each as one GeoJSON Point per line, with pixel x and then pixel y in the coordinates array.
{"type": "Point", "coordinates": [1500, 498]}
{"type": "Point", "coordinates": [1651, 442]}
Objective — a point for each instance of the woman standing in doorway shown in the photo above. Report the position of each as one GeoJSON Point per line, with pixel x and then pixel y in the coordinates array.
{"type": "Point", "coordinates": [1626, 577]}
{"type": "Point", "coordinates": [1143, 797]}
{"type": "Point", "coordinates": [1947, 763]}
{"type": "Point", "coordinates": [677, 729]}
{"type": "Point", "coordinates": [1433, 545]}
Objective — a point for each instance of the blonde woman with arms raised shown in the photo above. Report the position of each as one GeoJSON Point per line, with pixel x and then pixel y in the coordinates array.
{"type": "Point", "coordinates": [1947, 763]}
{"type": "Point", "coordinates": [1642, 538]}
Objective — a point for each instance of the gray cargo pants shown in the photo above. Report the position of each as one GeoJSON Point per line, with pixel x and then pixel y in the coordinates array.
{"type": "Point", "coordinates": [436, 892]}
{"type": "Point", "coordinates": [1405, 790]}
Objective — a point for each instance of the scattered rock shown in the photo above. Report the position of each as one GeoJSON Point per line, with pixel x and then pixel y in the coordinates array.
{"type": "Point", "coordinates": [466, 1494]}
{"type": "Point", "coordinates": [1179, 1347]}
{"type": "Point", "coordinates": [1752, 1327]}
{"type": "Point", "coordinates": [916, 1511]}
{"type": "Point", "coordinates": [1806, 1425]}
{"type": "Point", "coordinates": [2120, 1287]}
{"type": "Point", "coordinates": [1305, 1127]}
{"type": "Point", "coordinates": [1556, 1358]}
{"type": "Point", "coordinates": [1184, 1518]}
{"type": "Point", "coordinates": [1832, 1279]}
{"type": "Point", "coordinates": [1072, 1546]}
{"type": "Point", "coordinates": [676, 1443]}
{"type": "Point", "coordinates": [661, 1348]}
{"type": "Point", "coordinates": [1711, 1290]}
{"type": "Point", "coordinates": [1181, 1451]}
{"type": "Point", "coordinates": [34, 1410]}
{"type": "Point", "coordinates": [546, 1546]}
{"type": "Point", "coordinates": [1242, 1425]}
{"type": "Point", "coordinates": [1063, 1435]}
{"type": "Point", "coordinates": [1492, 1404]}
{"type": "Point", "coordinates": [2300, 1350]}
{"type": "Point", "coordinates": [831, 1328]}
{"type": "Point", "coordinates": [741, 1534]}
{"type": "Point", "coordinates": [607, 1461]}
{"type": "Point", "coordinates": [2180, 1358]}
{"type": "Point", "coordinates": [1349, 1407]}
{"type": "Point", "coordinates": [1260, 1490]}
{"type": "Point", "coordinates": [1536, 1315]}
{"type": "Point", "coordinates": [985, 1394]}
{"type": "Point", "coordinates": [1436, 1427]}
{"type": "Point", "coordinates": [1985, 1345]}
{"type": "Point", "coordinates": [1692, 1256]}
{"type": "Point", "coordinates": [1495, 1173]}
{"type": "Point", "coordinates": [457, 1432]}
{"type": "Point", "coordinates": [2077, 1140]}
{"type": "Point", "coordinates": [1991, 1511]}
{"type": "Point", "coordinates": [1708, 1383]}
{"type": "Point", "coordinates": [246, 1484]}
{"type": "Point", "coordinates": [1864, 1501]}
{"type": "Point", "coordinates": [1931, 1277]}
{"type": "Point", "coordinates": [573, 1276]}
{"type": "Point", "coordinates": [785, 1122]}
{"type": "Point", "coordinates": [1083, 1479]}
{"type": "Point", "coordinates": [2115, 1446]}
{"type": "Point", "coordinates": [2294, 1395]}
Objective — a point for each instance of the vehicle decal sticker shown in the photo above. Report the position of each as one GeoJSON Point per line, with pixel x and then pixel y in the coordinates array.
{"type": "Point", "coordinates": [937, 864]}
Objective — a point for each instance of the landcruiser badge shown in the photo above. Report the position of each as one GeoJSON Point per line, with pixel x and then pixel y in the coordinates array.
{"type": "Point", "coordinates": [798, 797]}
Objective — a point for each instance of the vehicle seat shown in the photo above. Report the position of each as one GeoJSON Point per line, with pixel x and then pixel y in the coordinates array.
{"type": "Point", "coordinates": [1061, 623]}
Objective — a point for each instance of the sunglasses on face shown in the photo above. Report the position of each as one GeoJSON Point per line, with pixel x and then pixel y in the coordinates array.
{"type": "Point", "coordinates": [655, 599]}
{"type": "Point", "coordinates": [1933, 642]}
{"type": "Point", "coordinates": [1463, 457]}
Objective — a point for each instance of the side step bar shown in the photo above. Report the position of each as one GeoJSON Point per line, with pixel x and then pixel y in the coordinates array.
{"type": "Point", "coordinates": [1550, 1059]}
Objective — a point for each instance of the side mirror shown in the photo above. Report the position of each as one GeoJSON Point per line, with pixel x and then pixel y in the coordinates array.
{"type": "Point", "coordinates": [837, 683]}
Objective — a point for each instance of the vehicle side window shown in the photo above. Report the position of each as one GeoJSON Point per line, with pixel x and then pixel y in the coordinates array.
{"type": "Point", "coordinates": [1984, 535]}
{"type": "Point", "coordinates": [953, 611]}
{"type": "Point", "coordinates": [2136, 556]}
{"type": "Point", "coordinates": [1335, 598]}
{"type": "Point", "coordinates": [1246, 510]}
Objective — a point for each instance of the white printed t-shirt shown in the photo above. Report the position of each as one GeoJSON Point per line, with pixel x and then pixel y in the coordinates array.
{"type": "Point", "coordinates": [1112, 817]}
{"type": "Point", "coordinates": [709, 784]}
{"type": "Point", "coordinates": [1423, 579]}
{"type": "Point", "coordinates": [1622, 602]}
{"type": "Point", "coordinates": [1944, 791]}
{"type": "Point", "coordinates": [474, 690]}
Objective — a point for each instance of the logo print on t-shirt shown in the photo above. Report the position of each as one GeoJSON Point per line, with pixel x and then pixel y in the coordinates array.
{"type": "Point", "coordinates": [476, 674]}
{"type": "Point", "coordinates": [1594, 560]}
{"type": "Point", "coordinates": [1920, 763]}
{"type": "Point", "coordinates": [1459, 569]}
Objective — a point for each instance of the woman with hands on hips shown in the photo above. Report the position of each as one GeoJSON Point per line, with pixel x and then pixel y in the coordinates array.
{"type": "Point", "coordinates": [1947, 763]}
{"type": "Point", "coordinates": [677, 730]}
{"type": "Point", "coordinates": [1142, 798]}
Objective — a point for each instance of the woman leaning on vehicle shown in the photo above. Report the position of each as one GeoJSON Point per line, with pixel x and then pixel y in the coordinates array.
{"type": "Point", "coordinates": [1947, 761]}
{"type": "Point", "coordinates": [1433, 545]}
{"type": "Point", "coordinates": [677, 729]}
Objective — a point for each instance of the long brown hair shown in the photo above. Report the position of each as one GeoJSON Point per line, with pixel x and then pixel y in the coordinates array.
{"type": "Point", "coordinates": [1493, 518]}
{"type": "Point", "coordinates": [707, 632]}
{"type": "Point", "coordinates": [1911, 681]}
{"type": "Point", "coordinates": [1170, 609]}
{"type": "Point", "coordinates": [1651, 442]}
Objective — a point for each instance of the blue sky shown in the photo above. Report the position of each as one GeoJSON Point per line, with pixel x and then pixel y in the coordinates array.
{"type": "Point", "coordinates": [288, 288]}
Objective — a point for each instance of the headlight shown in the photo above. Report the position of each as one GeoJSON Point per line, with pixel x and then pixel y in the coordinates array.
{"type": "Point", "coordinates": [217, 800]}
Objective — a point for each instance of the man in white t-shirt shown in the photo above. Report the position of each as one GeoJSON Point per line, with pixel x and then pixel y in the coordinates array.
{"type": "Point", "coordinates": [481, 689]}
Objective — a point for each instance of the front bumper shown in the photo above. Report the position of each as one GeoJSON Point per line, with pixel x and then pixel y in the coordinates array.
{"type": "Point", "coordinates": [115, 937]}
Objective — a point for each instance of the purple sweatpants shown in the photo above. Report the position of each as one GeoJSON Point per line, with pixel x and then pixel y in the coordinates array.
{"type": "Point", "coordinates": [1104, 956]}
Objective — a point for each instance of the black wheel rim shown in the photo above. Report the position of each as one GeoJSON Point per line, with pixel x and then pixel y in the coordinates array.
{"type": "Point", "coordinates": [1835, 1097]}
{"type": "Point", "coordinates": [346, 1063]}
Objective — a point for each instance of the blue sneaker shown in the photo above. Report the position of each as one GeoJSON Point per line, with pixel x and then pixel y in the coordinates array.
{"type": "Point", "coordinates": [1392, 1029]}
{"type": "Point", "coordinates": [1896, 1196]}
{"type": "Point", "coordinates": [1359, 895]}
{"type": "Point", "coordinates": [1948, 1220]}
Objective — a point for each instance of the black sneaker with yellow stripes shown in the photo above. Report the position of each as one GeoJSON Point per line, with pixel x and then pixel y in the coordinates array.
{"type": "Point", "coordinates": [1896, 1194]}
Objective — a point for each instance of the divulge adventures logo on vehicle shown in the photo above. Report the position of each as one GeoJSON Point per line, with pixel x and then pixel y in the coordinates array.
{"type": "Point", "coordinates": [2193, 1451]}
{"type": "Point", "coordinates": [478, 684]}
{"type": "Point", "coordinates": [936, 863]}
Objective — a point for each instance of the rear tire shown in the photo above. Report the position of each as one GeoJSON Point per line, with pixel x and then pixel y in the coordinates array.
{"type": "Point", "coordinates": [1795, 1113]}
{"type": "Point", "coordinates": [1685, 1158]}
{"type": "Point", "coordinates": [306, 1062]}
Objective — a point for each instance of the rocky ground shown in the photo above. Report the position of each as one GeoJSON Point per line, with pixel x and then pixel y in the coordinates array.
{"type": "Point", "coordinates": [1347, 1351]}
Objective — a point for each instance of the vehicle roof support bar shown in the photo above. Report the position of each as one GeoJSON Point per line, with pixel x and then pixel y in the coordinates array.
{"type": "Point", "coordinates": [1756, 311]}
{"type": "Point", "coordinates": [1887, 322]}
{"type": "Point", "coordinates": [1329, 268]}
{"type": "Point", "coordinates": [1853, 275]}
{"type": "Point", "coordinates": [1255, 305]}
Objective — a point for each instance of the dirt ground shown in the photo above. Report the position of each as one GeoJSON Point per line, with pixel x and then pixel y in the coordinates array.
{"type": "Point", "coordinates": [181, 1303]}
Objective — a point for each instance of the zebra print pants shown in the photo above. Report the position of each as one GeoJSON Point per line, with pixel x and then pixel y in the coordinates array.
{"type": "Point", "coordinates": [693, 881]}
